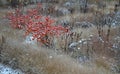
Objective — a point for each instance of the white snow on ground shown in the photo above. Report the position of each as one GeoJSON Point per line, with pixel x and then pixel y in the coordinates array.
{"type": "Point", "coordinates": [29, 40]}
{"type": "Point", "coordinates": [7, 70]}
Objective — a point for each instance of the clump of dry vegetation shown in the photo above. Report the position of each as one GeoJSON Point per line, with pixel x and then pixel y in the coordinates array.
{"type": "Point", "coordinates": [38, 60]}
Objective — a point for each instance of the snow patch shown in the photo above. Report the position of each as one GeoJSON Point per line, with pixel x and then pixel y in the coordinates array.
{"type": "Point", "coordinates": [29, 40]}
{"type": "Point", "coordinates": [8, 70]}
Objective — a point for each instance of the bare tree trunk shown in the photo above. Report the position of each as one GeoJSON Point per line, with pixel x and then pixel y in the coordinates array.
{"type": "Point", "coordinates": [108, 32]}
{"type": "Point", "coordinates": [119, 2]}
{"type": "Point", "coordinates": [85, 8]}
{"type": "Point", "coordinates": [83, 5]}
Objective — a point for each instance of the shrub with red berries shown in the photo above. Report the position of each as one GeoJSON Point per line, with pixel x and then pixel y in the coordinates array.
{"type": "Point", "coordinates": [41, 27]}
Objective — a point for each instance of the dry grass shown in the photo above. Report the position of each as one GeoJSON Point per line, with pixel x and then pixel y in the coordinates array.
{"type": "Point", "coordinates": [37, 60]}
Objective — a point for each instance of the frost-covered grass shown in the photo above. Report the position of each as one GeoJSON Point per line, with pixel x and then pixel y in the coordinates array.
{"type": "Point", "coordinates": [32, 59]}
{"type": "Point", "coordinates": [36, 60]}
{"type": "Point", "coordinates": [7, 70]}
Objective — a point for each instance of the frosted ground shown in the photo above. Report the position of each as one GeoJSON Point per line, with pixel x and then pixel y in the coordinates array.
{"type": "Point", "coordinates": [7, 70]}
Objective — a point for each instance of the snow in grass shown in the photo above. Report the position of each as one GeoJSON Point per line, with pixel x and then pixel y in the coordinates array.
{"type": "Point", "coordinates": [7, 70]}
